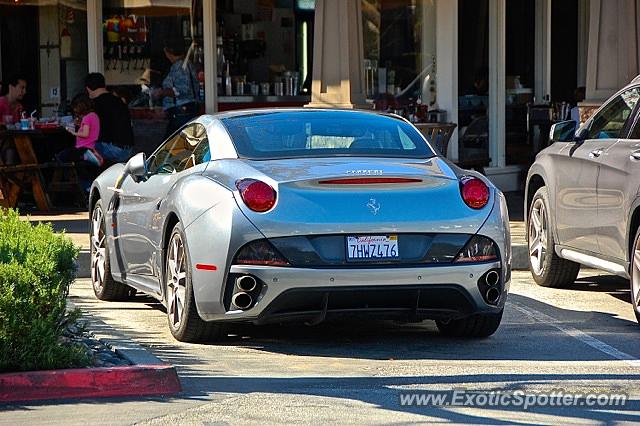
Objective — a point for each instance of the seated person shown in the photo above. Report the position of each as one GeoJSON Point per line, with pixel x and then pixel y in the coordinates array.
{"type": "Point", "coordinates": [86, 136]}
{"type": "Point", "coordinates": [10, 112]}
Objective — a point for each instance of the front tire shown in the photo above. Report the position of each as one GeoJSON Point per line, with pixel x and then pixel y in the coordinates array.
{"type": "Point", "coordinates": [104, 286]}
{"type": "Point", "coordinates": [634, 257]}
{"type": "Point", "coordinates": [184, 322]}
{"type": "Point", "coordinates": [477, 325]}
{"type": "Point", "coordinates": [547, 268]}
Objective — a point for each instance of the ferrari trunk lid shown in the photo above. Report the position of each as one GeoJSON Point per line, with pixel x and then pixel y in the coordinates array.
{"type": "Point", "coordinates": [328, 196]}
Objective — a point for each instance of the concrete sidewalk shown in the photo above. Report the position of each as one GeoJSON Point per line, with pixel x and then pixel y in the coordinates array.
{"type": "Point", "coordinates": [76, 226]}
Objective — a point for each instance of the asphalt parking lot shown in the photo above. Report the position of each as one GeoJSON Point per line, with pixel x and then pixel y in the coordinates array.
{"type": "Point", "coordinates": [581, 340]}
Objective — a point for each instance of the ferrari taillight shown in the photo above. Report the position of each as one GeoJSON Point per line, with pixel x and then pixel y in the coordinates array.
{"type": "Point", "coordinates": [474, 191]}
{"type": "Point", "coordinates": [478, 249]}
{"type": "Point", "coordinates": [260, 252]}
{"type": "Point", "coordinates": [257, 195]}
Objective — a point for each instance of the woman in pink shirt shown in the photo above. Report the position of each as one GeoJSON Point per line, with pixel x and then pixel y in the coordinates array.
{"type": "Point", "coordinates": [10, 106]}
{"type": "Point", "coordinates": [10, 111]}
{"type": "Point", "coordinates": [86, 135]}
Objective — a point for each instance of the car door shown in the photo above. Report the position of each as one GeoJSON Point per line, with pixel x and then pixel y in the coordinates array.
{"type": "Point", "coordinates": [140, 222]}
{"type": "Point", "coordinates": [617, 184]}
{"type": "Point", "coordinates": [579, 170]}
{"type": "Point", "coordinates": [576, 166]}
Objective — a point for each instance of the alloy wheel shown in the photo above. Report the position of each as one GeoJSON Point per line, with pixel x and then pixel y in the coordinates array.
{"type": "Point", "coordinates": [176, 281]}
{"type": "Point", "coordinates": [98, 250]}
{"type": "Point", "coordinates": [635, 276]}
{"type": "Point", "coordinates": [538, 226]}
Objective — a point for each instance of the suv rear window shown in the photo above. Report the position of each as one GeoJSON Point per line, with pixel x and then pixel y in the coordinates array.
{"type": "Point", "coordinates": [295, 134]}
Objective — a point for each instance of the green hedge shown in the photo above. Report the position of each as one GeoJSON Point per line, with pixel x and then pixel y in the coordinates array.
{"type": "Point", "coordinates": [36, 268]}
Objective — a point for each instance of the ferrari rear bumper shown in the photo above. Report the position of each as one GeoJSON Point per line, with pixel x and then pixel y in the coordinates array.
{"type": "Point", "coordinates": [312, 295]}
{"type": "Point", "coordinates": [407, 303]}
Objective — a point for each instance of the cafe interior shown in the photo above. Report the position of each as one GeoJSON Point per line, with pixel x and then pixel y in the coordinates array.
{"type": "Point", "coordinates": [264, 58]}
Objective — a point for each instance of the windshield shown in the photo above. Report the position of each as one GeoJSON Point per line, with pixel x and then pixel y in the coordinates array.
{"type": "Point", "coordinates": [295, 134]}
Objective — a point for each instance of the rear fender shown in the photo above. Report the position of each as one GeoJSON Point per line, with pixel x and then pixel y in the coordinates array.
{"type": "Point", "coordinates": [189, 199]}
{"type": "Point", "coordinates": [213, 239]}
{"type": "Point", "coordinates": [497, 228]}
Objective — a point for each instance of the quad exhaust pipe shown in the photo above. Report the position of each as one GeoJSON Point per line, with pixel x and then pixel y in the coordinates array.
{"type": "Point", "coordinates": [242, 300]}
{"type": "Point", "coordinates": [492, 278]}
{"type": "Point", "coordinates": [492, 295]}
{"type": "Point", "coordinates": [246, 283]}
{"type": "Point", "coordinates": [490, 287]}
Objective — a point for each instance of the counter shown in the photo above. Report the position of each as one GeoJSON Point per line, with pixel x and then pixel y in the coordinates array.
{"type": "Point", "coordinates": [227, 103]}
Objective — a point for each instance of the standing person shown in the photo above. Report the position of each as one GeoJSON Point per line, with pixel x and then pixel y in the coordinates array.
{"type": "Point", "coordinates": [578, 96]}
{"type": "Point", "coordinates": [179, 88]}
{"type": "Point", "coordinates": [115, 142]}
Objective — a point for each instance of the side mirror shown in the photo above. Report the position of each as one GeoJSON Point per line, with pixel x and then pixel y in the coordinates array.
{"type": "Point", "coordinates": [583, 133]}
{"type": "Point", "coordinates": [564, 131]}
{"type": "Point", "coordinates": [136, 167]}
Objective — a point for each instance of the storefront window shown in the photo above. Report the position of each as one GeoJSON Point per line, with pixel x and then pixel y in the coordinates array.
{"type": "Point", "coordinates": [47, 46]}
{"type": "Point", "coordinates": [473, 83]}
{"type": "Point", "coordinates": [154, 61]}
{"type": "Point", "coordinates": [264, 53]}
{"type": "Point", "coordinates": [519, 71]}
{"type": "Point", "coordinates": [399, 57]}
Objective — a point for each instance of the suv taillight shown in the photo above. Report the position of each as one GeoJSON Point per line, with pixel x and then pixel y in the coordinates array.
{"type": "Point", "coordinates": [257, 195]}
{"type": "Point", "coordinates": [474, 191]}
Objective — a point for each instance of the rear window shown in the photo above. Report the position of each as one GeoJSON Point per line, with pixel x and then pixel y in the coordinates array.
{"type": "Point", "coordinates": [321, 134]}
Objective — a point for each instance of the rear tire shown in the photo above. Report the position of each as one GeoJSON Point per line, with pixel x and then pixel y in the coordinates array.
{"type": "Point", "coordinates": [184, 322]}
{"type": "Point", "coordinates": [104, 286]}
{"type": "Point", "coordinates": [477, 325]}
{"type": "Point", "coordinates": [634, 281]}
{"type": "Point", "coordinates": [547, 268]}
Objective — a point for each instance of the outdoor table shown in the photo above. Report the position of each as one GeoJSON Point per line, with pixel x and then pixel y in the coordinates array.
{"type": "Point", "coordinates": [28, 172]}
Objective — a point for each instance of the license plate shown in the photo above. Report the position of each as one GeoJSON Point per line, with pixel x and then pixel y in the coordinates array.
{"type": "Point", "coordinates": [372, 247]}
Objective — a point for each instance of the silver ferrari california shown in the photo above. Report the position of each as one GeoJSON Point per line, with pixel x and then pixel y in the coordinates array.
{"type": "Point", "coordinates": [268, 216]}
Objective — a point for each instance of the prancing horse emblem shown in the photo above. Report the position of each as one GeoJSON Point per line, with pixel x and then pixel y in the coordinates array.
{"type": "Point", "coordinates": [373, 205]}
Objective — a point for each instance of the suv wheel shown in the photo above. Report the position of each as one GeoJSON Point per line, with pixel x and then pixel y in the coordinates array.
{"type": "Point", "coordinates": [548, 269]}
{"type": "Point", "coordinates": [635, 275]}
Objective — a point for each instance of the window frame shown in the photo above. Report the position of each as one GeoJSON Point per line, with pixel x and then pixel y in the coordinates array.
{"type": "Point", "coordinates": [630, 121]}
{"type": "Point", "coordinates": [635, 122]}
{"type": "Point", "coordinates": [244, 145]}
{"type": "Point", "coordinates": [172, 140]}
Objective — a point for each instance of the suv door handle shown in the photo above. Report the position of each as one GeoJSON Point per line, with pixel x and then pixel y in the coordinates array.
{"type": "Point", "coordinates": [596, 153]}
{"type": "Point", "coordinates": [635, 155]}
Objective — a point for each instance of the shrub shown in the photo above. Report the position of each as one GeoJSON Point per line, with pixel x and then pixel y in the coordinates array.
{"type": "Point", "coordinates": [36, 268]}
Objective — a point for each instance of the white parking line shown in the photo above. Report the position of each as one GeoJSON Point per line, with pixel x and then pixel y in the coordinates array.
{"type": "Point", "coordinates": [577, 334]}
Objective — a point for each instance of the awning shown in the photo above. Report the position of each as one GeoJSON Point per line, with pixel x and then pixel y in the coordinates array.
{"type": "Point", "coordinates": [75, 4]}
{"type": "Point", "coordinates": [142, 7]}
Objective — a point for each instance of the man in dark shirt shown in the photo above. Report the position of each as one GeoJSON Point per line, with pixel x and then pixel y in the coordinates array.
{"type": "Point", "coordinates": [115, 142]}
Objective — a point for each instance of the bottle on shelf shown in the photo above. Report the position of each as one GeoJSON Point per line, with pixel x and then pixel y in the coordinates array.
{"type": "Point", "coordinates": [228, 88]}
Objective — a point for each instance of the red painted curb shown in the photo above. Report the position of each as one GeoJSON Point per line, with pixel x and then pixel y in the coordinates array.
{"type": "Point", "coordinates": [134, 380]}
